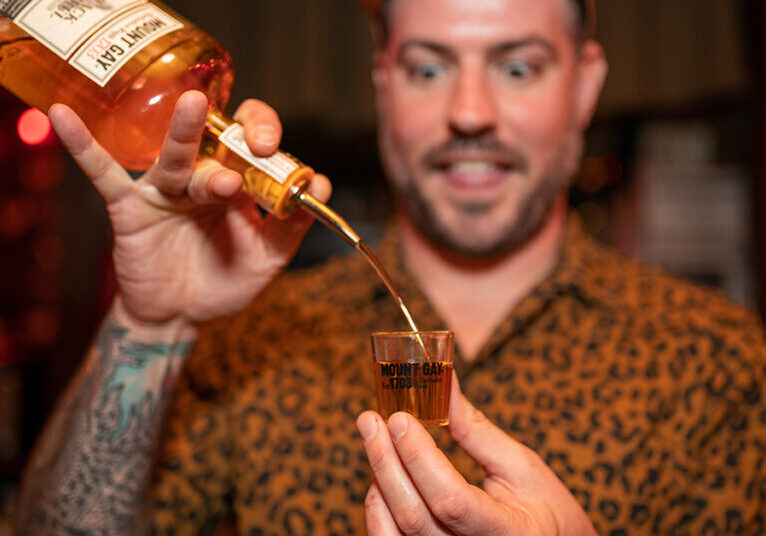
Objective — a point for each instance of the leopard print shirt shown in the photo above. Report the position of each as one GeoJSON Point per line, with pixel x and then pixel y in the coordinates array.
{"type": "Point", "coordinates": [643, 393]}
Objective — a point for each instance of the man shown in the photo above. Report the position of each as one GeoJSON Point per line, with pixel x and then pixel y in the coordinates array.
{"type": "Point", "coordinates": [640, 393]}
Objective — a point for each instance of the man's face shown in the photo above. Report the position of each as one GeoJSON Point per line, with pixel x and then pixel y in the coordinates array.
{"type": "Point", "coordinates": [481, 116]}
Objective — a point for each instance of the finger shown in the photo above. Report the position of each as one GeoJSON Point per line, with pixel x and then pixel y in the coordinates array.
{"type": "Point", "coordinates": [493, 449]}
{"type": "Point", "coordinates": [283, 237]}
{"type": "Point", "coordinates": [461, 507]}
{"type": "Point", "coordinates": [108, 177]}
{"type": "Point", "coordinates": [320, 188]}
{"type": "Point", "coordinates": [263, 130]}
{"type": "Point", "coordinates": [378, 518]}
{"type": "Point", "coordinates": [211, 182]}
{"type": "Point", "coordinates": [402, 497]}
{"type": "Point", "coordinates": [176, 161]}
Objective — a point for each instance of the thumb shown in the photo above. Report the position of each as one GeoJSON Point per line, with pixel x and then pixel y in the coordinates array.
{"type": "Point", "coordinates": [493, 449]}
{"type": "Point", "coordinates": [284, 236]}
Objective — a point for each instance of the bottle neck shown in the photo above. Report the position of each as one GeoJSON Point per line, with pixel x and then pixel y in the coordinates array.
{"type": "Point", "coordinates": [278, 183]}
{"type": "Point", "coordinates": [273, 182]}
{"type": "Point", "coordinates": [217, 122]}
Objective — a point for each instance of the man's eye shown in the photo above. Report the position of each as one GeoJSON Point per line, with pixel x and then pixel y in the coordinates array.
{"type": "Point", "coordinates": [518, 70]}
{"type": "Point", "coordinates": [426, 71]}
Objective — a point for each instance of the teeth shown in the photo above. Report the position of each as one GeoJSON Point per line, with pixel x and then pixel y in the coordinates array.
{"type": "Point", "coordinates": [472, 166]}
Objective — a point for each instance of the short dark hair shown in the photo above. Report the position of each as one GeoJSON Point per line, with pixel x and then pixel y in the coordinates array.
{"type": "Point", "coordinates": [582, 30]}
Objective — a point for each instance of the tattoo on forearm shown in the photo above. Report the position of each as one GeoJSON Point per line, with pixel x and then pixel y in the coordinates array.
{"type": "Point", "coordinates": [91, 475]}
{"type": "Point", "coordinates": [141, 381]}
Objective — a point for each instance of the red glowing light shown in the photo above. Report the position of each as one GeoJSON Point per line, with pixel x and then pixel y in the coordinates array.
{"type": "Point", "coordinates": [33, 127]}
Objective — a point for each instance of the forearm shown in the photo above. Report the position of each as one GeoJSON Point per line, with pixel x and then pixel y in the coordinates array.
{"type": "Point", "coordinates": [90, 468]}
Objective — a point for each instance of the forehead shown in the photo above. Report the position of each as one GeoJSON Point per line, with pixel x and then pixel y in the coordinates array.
{"type": "Point", "coordinates": [466, 22]}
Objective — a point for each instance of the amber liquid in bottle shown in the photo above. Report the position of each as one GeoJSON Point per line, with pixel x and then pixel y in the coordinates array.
{"type": "Point", "coordinates": [423, 392]}
{"type": "Point", "coordinates": [131, 113]}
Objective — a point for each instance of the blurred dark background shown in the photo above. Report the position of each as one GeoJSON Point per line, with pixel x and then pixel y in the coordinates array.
{"type": "Point", "coordinates": [674, 172]}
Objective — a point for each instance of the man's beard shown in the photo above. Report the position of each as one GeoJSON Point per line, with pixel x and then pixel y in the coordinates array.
{"type": "Point", "coordinates": [532, 211]}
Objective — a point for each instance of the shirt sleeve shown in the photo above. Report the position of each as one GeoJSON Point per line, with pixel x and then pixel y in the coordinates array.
{"type": "Point", "coordinates": [721, 457]}
{"type": "Point", "coordinates": [726, 494]}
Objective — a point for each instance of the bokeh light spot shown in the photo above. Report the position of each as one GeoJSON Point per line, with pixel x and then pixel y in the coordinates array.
{"type": "Point", "coordinates": [33, 127]}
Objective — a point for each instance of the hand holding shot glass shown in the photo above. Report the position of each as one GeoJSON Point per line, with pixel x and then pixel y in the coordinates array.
{"type": "Point", "coordinates": [413, 373]}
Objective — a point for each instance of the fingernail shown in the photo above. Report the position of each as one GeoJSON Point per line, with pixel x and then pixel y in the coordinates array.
{"type": "Point", "coordinates": [265, 135]}
{"type": "Point", "coordinates": [397, 425]}
{"type": "Point", "coordinates": [368, 427]}
{"type": "Point", "coordinates": [224, 185]}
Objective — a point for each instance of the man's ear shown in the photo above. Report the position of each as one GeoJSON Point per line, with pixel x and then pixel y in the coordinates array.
{"type": "Point", "coordinates": [379, 70]}
{"type": "Point", "coordinates": [592, 70]}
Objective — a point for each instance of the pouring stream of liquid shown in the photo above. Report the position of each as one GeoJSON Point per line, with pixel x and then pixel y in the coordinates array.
{"type": "Point", "coordinates": [339, 225]}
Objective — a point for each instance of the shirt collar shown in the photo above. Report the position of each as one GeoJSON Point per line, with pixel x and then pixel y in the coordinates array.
{"type": "Point", "coordinates": [584, 271]}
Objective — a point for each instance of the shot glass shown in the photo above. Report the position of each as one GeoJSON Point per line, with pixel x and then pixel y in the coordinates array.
{"type": "Point", "coordinates": [413, 373]}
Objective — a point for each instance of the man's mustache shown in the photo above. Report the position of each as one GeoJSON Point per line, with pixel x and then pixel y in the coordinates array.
{"type": "Point", "coordinates": [486, 146]}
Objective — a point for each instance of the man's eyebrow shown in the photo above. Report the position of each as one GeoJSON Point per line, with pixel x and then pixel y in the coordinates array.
{"type": "Point", "coordinates": [501, 48]}
{"type": "Point", "coordinates": [437, 48]}
{"type": "Point", "coordinates": [532, 41]}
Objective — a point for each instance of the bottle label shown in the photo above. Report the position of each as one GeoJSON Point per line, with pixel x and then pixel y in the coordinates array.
{"type": "Point", "coordinates": [278, 166]}
{"type": "Point", "coordinates": [95, 36]}
{"type": "Point", "coordinates": [105, 52]}
{"type": "Point", "coordinates": [62, 25]}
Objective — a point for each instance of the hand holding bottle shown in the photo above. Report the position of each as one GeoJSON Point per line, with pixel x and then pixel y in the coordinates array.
{"type": "Point", "coordinates": [189, 245]}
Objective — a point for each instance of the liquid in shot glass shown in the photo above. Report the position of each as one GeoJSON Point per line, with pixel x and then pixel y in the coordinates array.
{"type": "Point", "coordinates": [413, 373]}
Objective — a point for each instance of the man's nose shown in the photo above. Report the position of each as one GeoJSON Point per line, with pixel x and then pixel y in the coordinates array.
{"type": "Point", "coordinates": [473, 109]}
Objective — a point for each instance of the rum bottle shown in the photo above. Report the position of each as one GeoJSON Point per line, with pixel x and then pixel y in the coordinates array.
{"type": "Point", "coordinates": [121, 65]}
